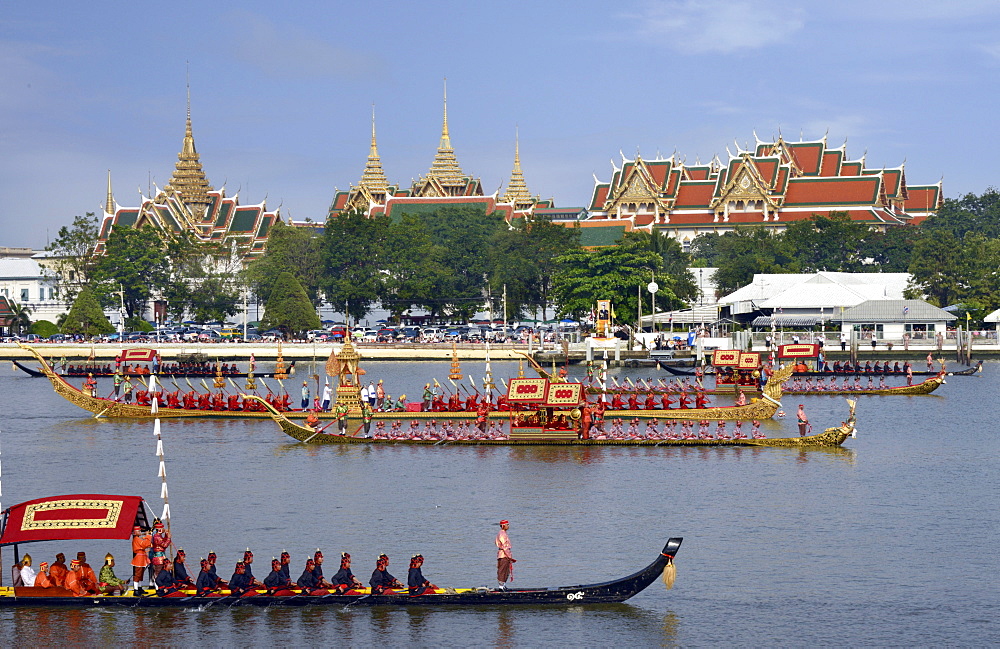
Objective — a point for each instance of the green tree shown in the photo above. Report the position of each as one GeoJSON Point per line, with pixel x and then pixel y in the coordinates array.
{"type": "Point", "coordinates": [44, 328]}
{"type": "Point", "coordinates": [135, 262]}
{"type": "Point", "coordinates": [826, 243]}
{"type": "Point", "coordinates": [86, 316]}
{"type": "Point", "coordinates": [73, 249]}
{"type": "Point", "coordinates": [979, 214]}
{"type": "Point", "coordinates": [296, 250]}
{"type": "Point", "coordinates": [891, 251]}
{"type": "Point", "coordinates": [353, 262]}
{"type": "Point", "coordinates": [937, 266]}
{"type": "Point", "coordinates": [674, 267]}
{"type": "Point", "coordinates": [21, 317]}
{"type": "Point", "coordinates": [744, 252]}
{"type": "Point", "coordinates": [289, 308]}
{"type": "Point", "coordinates": [204, 280]}
{"type": "Point", "coordinates": [612, 273]}
{"type": "Point", "coordinates": [414, 266]}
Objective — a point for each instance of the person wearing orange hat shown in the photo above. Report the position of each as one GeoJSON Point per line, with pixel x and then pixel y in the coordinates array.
{"type": "Point", "coordinates": [140, 544]}
{"type": "Point", "coordinates": [42, 579]}
{"type": "Point", "coordinates": [74, 582]}
{"type": "Point", "coordinates": [505, 560]}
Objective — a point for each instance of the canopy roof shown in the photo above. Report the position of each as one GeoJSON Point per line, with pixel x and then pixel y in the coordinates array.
{"type": "Point", "coordinates": [71, 517]}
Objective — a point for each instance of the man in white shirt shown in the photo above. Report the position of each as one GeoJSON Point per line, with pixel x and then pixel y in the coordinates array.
{"type": "Point", "coordinates": [27, 572]}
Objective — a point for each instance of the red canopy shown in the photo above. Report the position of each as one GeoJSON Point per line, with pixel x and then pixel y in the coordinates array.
{"type": "Point", "coordinates": [76, 516]}
{"type": "Point", "coordinates": [138, 355]}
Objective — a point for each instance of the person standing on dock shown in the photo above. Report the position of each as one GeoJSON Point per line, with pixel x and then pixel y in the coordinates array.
{"type": "Point", "coordinates": [803, 420]}
{"type": "Point", "coordinates": [505, 560]}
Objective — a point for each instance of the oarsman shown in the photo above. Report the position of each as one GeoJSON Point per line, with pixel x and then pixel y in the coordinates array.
{"type": "Point", "coordinates": [345, 580]}
{"type": "Point", "coordinates": [181, 576]}
{"type": "Point", "coordinates": [286, 560]}
{"type": "Point", "coordinates": [381, 579]}
{"type": "Point", "coordinates": [341, 412]}
{"type": "Point", "coordinates": [166, 581]}
{"type": "Point", "coordinates": [415, 579]}
{"type": "Point", "coordinates": [505, 560]}
{"type": "Point", "coordinates": [206, 580]}
{"type": "Point", "coordinates": [307, 581]}
{"type": "Point", "coordinates": [212, 558]}
{"type": "Point", "coordinates": [366, 415]}
{"type": "Point", "coordinates": [239, 582]}
{"type": "Point", "coordinates": [109, 582]}
{"type": "Point", "coordinates": [248, 567]}
{"type": "Point", "coordinates": [318, 570]}
{"type": "Point", "coordinates": [87, 575]}
{"type": "Point", "coordinates": [140, 544]}
{"type": "Point", "coordinates": [277, 579]}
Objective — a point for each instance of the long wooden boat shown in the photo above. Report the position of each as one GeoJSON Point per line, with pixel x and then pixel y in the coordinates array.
{"type": "Point", "coordinates": [970, 371]}
{"type": "Point", "coordinates": [40, 373]}
{"type": "Point", "coordinates": [760, 409]}
{"type": "Point", "coordinates": [924, 387]}
{"type": "Point", "coordinates": [308, 435]}
{"type": "Point", "coordinates": [123, 511]}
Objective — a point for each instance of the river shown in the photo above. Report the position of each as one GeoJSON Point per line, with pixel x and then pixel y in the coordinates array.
{"type": "Point", "coordinates": [887, 541]}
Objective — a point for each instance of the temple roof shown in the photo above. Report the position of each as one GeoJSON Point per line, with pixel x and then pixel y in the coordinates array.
{"type": "Point", "coordinates": [517, 190]}
{"type": "Point", "coordinates": [445, 174]}
{"type": "Point", "coordinates": [189, 180]}
{"type": "Point", "coordinates": [373, 179]}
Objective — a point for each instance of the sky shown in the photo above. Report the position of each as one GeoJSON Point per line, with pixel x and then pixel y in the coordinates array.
{"type": "Point", "coordinates": [282, 93]}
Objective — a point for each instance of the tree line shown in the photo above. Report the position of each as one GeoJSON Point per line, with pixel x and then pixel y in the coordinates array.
{"type": "Point", "coordinates": [455, 261]}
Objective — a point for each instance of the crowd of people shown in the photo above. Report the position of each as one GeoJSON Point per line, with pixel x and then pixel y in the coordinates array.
{"type": "Point", "coordinates": [169, 576]}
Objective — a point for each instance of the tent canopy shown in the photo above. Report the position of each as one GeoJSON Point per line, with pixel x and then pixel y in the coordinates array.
{"type": "Point", "coordinates": [71, 517]}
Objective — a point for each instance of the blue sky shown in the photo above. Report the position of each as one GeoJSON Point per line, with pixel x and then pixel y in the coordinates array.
{"type": "Point", "coordinates": [282, 92]}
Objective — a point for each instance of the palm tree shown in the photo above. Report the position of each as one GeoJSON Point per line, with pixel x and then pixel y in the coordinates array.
{"type": "Point", "coordinates": [20, 319]}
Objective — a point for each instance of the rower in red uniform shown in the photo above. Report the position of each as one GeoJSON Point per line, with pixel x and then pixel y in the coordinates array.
{"type": "Point", "coordinates": [633, 401]}
{"type": "Point", "coordinates": [617, 403]}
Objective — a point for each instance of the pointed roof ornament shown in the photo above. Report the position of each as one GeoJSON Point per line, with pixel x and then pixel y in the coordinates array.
{"type": "Point", "coordinates": [373, 178]}
{"type": "Point", "coordinates": [517, 190]}
{"type": "Point", "coordinates": [189, 180]}
{"type": "Point", "coordinates": [109, 202]}
{"type": "Point", "coordinates": [445, 168]}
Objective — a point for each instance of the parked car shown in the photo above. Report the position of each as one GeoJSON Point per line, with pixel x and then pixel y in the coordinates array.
{"type": "Point", "coordinates": [231, 332]}
{"type": "Point", "coordinates": [209, 335]}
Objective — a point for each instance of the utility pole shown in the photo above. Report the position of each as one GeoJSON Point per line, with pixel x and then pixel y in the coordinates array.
{"type": "Point", "coordinates": [505, 309]}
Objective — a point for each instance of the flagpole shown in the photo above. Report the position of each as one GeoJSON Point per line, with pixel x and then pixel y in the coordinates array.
{"type": "Point", "coordinates": [162, 473]}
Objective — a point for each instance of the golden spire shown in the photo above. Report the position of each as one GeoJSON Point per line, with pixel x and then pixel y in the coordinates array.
{"type": "Point", "coordinates": [188, 179]}
{"type": "Point", "coordinates": [445, 167]}
{"type": "Point", "coordinates": [373, 179]}
{"type": "Point", "coordinates": [517, 189]}
{"type": "Point", "coordinates": [109, 202]}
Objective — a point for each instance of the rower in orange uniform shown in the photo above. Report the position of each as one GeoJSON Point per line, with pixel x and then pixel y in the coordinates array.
{"type": "Point", "coordinates": [57, 573]}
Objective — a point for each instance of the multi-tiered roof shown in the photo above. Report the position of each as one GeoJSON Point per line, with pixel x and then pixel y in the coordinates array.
{"type": "Point", "coordinates": [190, 205]}
{"type": "Point", "coordinates": [771, 184]}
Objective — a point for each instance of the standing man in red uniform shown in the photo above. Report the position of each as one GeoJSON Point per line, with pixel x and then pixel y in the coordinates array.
{"type": "Point", "coordinates": [505, 559]}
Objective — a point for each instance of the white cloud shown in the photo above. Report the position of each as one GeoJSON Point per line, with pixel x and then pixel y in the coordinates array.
{"type": "Point", "coordinates": [720, 26]}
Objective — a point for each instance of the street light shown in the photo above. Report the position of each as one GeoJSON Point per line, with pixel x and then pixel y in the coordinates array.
{"type": "Point", "coordinates": [653, 287]}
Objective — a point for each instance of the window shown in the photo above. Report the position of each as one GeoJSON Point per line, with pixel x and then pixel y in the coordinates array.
{"type": "Point", "coordinates": [24, 295]}
{"type": "Point", "coordinates": [865, 331]}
